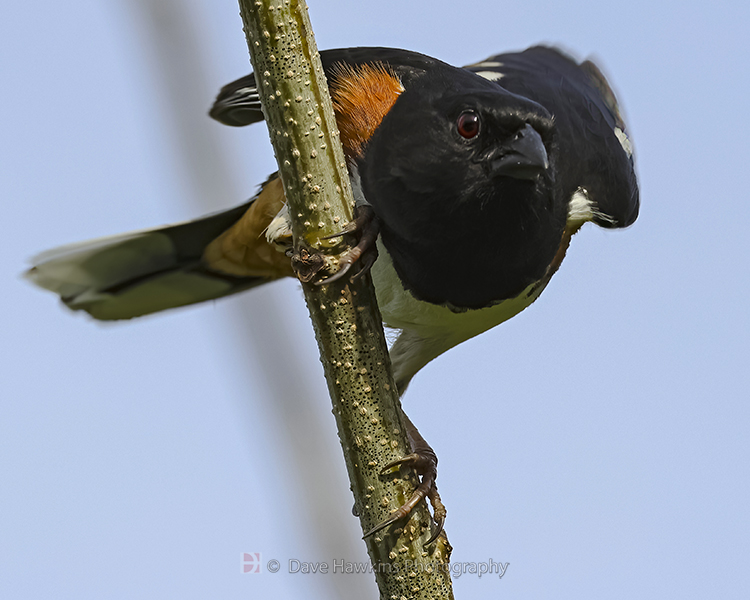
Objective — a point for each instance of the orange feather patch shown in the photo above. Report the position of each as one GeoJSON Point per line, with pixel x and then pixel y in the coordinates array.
{"type": "Point", "coordinates": [242, 250]}
{"type": "Point", "coordinates": [361, 96]}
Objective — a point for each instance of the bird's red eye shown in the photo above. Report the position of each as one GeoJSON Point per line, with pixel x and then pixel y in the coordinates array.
{"type": "Point", "coordinates": [468, 124]}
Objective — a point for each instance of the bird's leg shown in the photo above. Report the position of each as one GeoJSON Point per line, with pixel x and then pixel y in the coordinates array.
{"type": "Point", "coordinates": [366, 224]}
{"type": "Point", "coordinates": [424, 461]}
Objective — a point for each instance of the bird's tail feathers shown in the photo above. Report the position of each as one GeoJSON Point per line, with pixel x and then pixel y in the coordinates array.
{"type": "Point", "coordinates": [141, 272]}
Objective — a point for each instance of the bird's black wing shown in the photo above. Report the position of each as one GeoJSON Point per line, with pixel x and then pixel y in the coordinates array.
{"type": "Point", "coordinates": [595, 155]}
{"type": "Point", "coordinates": [238, 103]}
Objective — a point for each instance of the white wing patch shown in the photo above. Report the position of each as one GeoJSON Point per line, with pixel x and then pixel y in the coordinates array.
{"type": "Point", "coordinates": [488, 64]}
{"type": "Point", "coordinates": [247, 96]}
{"type": "Point", "coordinates": [582, 209]}
{"type": "Point", "coordinates": [491, 75]}
{"type": "Point", "coordinates": [625, 142]}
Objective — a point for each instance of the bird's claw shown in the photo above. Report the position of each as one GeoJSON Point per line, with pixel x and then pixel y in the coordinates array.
{"type": "Point", "coordinates": [424, 462]}
{"type": "Point", "coordinates": [366, 224]}
{"type": "Point", "coordinates": [306, 264]}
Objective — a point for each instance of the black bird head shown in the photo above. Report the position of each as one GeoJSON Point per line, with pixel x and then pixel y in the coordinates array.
{"type": "Point", "coordinates": [461, 174]}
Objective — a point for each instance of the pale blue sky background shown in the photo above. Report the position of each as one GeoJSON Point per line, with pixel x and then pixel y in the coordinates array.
{"type": "Point", "coordinates": [598, 442]}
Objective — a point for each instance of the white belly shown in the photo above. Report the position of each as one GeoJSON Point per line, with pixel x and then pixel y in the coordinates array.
{"type": "Point", "coordinates": [401, 310]}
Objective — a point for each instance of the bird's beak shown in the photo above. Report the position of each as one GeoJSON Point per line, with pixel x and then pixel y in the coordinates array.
{"type": "Point", "coordinates": [524, 158]}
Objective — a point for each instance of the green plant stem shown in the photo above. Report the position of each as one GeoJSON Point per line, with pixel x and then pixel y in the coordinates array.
{"type": "Point", "coordinates": [347, 322]}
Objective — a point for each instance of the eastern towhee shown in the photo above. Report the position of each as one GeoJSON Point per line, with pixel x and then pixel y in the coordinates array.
{"type": "Point", "coordinates": [475, 179]}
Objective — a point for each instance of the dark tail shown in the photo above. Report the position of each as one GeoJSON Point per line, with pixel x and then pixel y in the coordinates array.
{"type": "Point", "coordinates": [141, 272]}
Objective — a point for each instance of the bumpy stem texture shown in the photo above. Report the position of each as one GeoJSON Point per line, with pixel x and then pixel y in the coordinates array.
{"type": "Point", "coordinates": [347, 322]}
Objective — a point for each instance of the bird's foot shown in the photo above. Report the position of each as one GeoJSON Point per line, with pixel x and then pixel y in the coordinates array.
{"type": "Point", "coordinates": [306, 263]}
{"type": "Point", "coordinates": [367, 226]}
{"type": "Point", "coordinates": [424, 462]}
